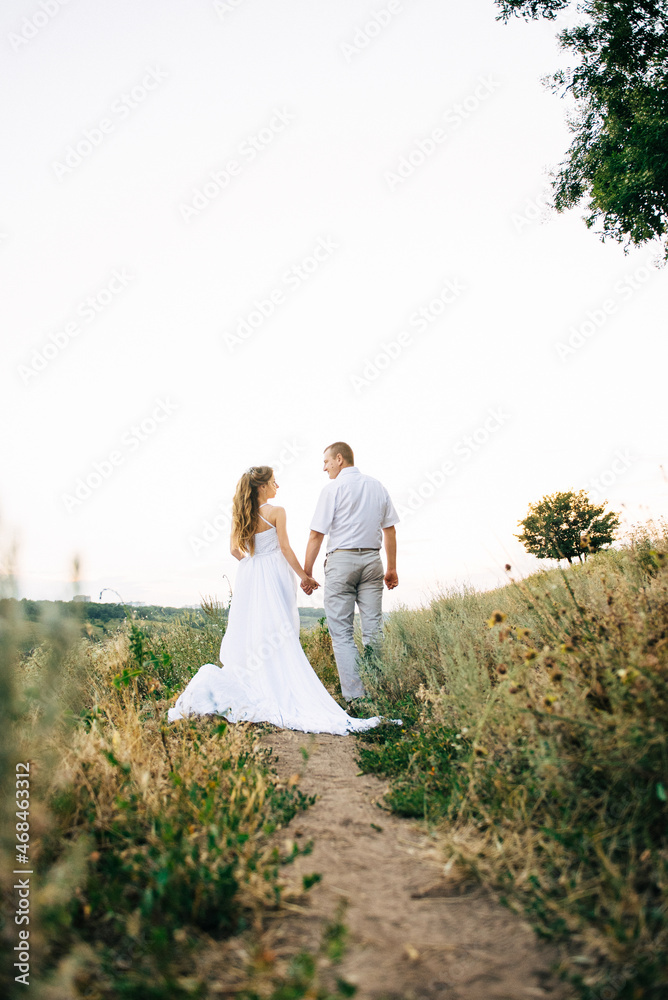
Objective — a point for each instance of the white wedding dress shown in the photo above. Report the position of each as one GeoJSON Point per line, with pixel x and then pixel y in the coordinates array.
{"type": "Point", "coordinates": [265, 676]}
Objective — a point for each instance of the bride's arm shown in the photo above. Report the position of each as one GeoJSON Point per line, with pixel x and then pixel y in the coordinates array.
{"type": "Point", "coordinates": [234, 549]}
{"type": "Point", "coordinates": [280, 522]}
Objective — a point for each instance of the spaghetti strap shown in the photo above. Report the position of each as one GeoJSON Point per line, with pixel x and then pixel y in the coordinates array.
{"type": "Point", "coordinates": [264, 518]}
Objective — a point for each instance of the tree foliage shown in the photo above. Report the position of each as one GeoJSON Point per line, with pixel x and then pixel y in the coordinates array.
{"type": "Point", "coordinates": [565, 525]}
{"type": "Point", "coordinates": [617, 162]}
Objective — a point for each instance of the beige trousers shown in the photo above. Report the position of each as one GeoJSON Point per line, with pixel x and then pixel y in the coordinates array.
{"type": "Point", "coordinates": [352, 578]}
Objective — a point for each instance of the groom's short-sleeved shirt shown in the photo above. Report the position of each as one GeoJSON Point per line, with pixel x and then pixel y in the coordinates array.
{"type": "Point", "coordinates": [353, 509]}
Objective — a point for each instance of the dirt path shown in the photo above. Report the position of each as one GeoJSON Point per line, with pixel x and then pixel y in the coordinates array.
{"type": "Point", "coordinates": [414, 931]}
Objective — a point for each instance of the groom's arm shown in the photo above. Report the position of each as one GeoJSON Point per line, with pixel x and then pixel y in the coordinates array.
{"type": "Point", "coordinates": [312, 549]}
{"type": "Point", "coordinates": [390, 539]}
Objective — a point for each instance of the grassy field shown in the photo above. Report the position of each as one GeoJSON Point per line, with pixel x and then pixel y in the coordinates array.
{"type": "Point", "coordinates": [535, 746]}
{"type": "Point", "coordinates": [148, 843]}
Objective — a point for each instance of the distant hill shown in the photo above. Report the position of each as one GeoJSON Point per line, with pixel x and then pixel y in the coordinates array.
{"type": "Point", "coordinates": [309, 617]}
{"type": "Point", "coordinates": [98, 619]}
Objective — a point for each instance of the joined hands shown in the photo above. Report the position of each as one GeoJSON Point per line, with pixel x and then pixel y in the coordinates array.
{"type": "Point", "coordinates": [309, 584]}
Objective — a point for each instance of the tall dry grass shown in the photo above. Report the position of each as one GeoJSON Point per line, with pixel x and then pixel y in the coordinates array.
{"type": "Point", "coordinates": [539, 750]}
{"type": "Point", "coordinates": [147, 839]}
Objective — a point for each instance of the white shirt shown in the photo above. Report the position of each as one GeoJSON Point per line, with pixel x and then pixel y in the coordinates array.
{"type": "Point", "coordinates": [353, 509]}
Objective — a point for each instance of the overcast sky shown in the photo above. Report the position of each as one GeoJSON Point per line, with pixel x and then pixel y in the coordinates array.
{"type": "Point", "coordinates": [236, 231]}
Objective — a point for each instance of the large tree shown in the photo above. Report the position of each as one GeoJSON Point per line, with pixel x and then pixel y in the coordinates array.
{"type": "Point", "coordinates": [565, 525]}
{"type": "Point", "coordinates": [618, 160]}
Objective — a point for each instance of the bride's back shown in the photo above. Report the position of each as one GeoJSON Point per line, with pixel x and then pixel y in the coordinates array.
{"type": "Point", "coordinates": [266, 537]}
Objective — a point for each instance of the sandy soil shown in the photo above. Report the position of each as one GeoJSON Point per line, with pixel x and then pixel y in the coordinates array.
{"type": "Point", "coordinates": [415, 931]}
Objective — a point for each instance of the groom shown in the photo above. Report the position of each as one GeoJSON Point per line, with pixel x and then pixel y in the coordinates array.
{"type": "Point", "coordinates": [356, 512]}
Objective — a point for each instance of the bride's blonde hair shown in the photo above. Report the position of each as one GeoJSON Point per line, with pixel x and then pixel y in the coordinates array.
{"type": "Point", "coordinates": [246, 506]}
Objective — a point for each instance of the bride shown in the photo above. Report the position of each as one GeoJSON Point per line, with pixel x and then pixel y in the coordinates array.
{"type": "Point", "coordinates": [265, 676]}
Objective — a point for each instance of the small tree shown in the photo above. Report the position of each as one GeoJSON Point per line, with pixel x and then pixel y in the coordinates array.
{"type": "Point", "coordinates": [564, 525]}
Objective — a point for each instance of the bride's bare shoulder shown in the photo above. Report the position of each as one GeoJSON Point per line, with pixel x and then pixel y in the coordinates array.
{"type": "Point", "coordinates": [270, 511]}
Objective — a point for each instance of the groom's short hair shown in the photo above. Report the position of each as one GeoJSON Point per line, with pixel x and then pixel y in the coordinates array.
{"type": "Point", "coordinates": [342, 449]}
